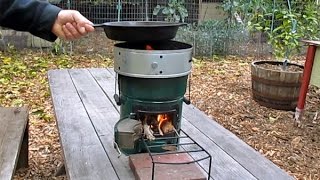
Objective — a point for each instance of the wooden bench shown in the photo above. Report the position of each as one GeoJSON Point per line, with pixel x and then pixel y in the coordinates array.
{"type": "Point", "coordinates": [86, 114]}
{"type": "Point", "coordinates": [13, 140]}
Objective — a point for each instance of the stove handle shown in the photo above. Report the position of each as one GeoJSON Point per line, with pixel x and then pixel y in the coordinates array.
{"type": "Point", "coordinates": [115, 145]}
{"type": "Point", "coordinates": [187, 101]}
{"type": "Point", "coordinates": [117, 99]}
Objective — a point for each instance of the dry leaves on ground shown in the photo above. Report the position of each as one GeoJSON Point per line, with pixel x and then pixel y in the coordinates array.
{"type": "Point", "coordinates": [224, 93]}
{"type": "Point", "coordinates": [222, 89]}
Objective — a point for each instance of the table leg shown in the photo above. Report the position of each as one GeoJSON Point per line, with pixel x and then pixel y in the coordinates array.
{"type": "Point", "coordinates": [24, 151]}
{"type": "Point", "coordinates": [60, 171]}
{"type": "Point", "coordinates": [305, 83]}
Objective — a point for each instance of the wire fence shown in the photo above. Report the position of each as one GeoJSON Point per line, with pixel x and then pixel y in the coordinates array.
{"type": "Point", "coordinates": [213, 39]}
{"type": "Point", "coordinates": [119, 10]}
{"type": "Point", "coordinates": [207, 30]}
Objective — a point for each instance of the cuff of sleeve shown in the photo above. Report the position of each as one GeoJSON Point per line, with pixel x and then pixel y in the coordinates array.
{"type": "Point", "coordinates": [46, 21]}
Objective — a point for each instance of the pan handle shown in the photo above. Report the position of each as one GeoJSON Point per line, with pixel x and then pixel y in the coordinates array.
{"type": "Point", "coordinates": [98, 25]}
{"type": "Point", "coordinates": [183, 24]}
{"type": "Point", "coordinates": [107, 24]}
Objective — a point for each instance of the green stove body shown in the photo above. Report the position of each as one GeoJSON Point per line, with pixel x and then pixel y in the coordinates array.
{"type": "Point", "coordinates": [151, 90]}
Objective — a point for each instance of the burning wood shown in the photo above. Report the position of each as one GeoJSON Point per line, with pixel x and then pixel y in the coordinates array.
{"type": "Point", "coordinates": [149, 47]}
{"type": "Point", "coordinates": [165, 125]}
{"type": "Point", "coordinates": [153, 123]}
{"type": "Point", "coordinates": [148, 133]}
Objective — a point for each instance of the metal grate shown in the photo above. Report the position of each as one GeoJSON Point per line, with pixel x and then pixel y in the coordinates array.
{"type": "Point", "coordinates": [188, 146]}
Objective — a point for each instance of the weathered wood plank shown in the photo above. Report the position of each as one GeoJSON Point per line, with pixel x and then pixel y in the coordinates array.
{"type": "Point", "coordinates": [106, 80]}
{"type": "Point", "coordinates": [103, 116]}
{"type": "Point", "coordinates": [250, 159]}
{"type": "Point", "coordinates": [84, 155]}
{"type": "Point", "coordinates": [223, 166]}
{"type": "Point", "coordinates": [13, 123]}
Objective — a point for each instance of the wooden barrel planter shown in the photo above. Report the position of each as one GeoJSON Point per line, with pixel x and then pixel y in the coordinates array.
{"type": "Point", "coordinates": [276, 87]}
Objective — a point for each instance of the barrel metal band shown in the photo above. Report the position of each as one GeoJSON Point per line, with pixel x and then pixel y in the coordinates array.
{"type": "Point", "coordinates": [273, 97]}
{"type": "Point", "coordinates": [275, 83]}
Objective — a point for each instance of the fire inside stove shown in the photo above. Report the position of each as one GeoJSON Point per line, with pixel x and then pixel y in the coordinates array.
{"type": "Point", "coordinates": [149, 47]}
{"type": "Point", "coordinates": [157, 46]}
{"type": "Point", "coordinates": [158, 125]}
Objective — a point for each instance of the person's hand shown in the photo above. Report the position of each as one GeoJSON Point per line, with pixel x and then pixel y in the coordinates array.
{"type": "Point", "coordinates": [70, 25]}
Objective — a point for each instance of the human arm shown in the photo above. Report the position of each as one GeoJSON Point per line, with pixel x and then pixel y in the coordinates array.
{"type": "Point", "coordinates": [43, 19]}
{"type": "Point", "coordinates": [36, 17]}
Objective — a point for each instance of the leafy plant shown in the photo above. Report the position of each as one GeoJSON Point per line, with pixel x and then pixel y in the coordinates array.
{"type": "Point", "coordinates": [209, 37]}
{"type": "Point", "coordinates": [174, 11]}
{"type": "Point", "coordinates": [284, 38]}
{"type": "Point", "coordinates": [285, 22]}
{"type": "Point", "coordinates": [58, 47]}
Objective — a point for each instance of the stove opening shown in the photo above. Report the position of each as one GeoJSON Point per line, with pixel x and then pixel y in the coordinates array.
{"type": "Point", "coordinates": [158, 124]}
{"type": "Point", "coordinates": [149, 47]}
{"type": "Point", "coordinates": [161, 45]}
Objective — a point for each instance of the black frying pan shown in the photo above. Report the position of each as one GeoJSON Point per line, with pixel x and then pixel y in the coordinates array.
{"type": "Point", "coordinates": [140, 30]}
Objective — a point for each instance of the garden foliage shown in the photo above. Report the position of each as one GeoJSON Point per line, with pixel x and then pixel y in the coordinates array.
{"type": "Point", "coordinates": [285, 22]}
{"type": "Point", "coordinates": [213, 37]}
{"type": "Point", "coordinates": [174, 11]}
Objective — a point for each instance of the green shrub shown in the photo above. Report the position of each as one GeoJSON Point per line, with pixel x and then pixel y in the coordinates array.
{"type": "Point", "coordinates": [213, 37]}
{"type": "Point", "coordinates": [285, 22]}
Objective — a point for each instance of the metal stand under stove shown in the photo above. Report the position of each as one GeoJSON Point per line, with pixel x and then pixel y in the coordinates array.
{"type": "Point", "coordinates": [180, 136]}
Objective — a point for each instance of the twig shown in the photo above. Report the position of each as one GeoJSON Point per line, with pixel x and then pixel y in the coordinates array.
{"type": "Point", "coordinates": [315, 117]}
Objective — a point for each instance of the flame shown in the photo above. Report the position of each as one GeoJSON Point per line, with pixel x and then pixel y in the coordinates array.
{"type": "Point", "coordinates": [149, 47]}
{"type": "Point", "coordinates": [162, 118]}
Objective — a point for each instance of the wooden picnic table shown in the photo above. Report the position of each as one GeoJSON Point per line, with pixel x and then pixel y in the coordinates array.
{"type": "Point", "coordinates": [86, 114]}
{"type": "Point", "coordinates": [14, 125]}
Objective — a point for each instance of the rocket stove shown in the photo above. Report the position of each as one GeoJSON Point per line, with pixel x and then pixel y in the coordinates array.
{"type": "Point", "coordinates": [151, 82]}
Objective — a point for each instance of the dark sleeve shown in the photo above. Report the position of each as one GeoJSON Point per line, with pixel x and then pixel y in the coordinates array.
{"type": "Point", "coordinates": [36, 17]}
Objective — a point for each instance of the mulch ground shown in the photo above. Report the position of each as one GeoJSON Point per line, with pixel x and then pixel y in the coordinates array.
{"type": "Point", "coordinates": [222, 89]}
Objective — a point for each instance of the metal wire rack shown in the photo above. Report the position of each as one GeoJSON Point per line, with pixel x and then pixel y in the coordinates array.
{"type": "Point", "coordinates": [99, 11]}
{"type": "Point", "coordinates": [189, 146]}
